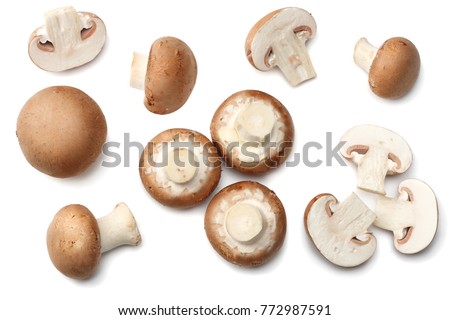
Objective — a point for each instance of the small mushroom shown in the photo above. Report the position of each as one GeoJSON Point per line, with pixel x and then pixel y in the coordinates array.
{"type": "Point", "coordinates": [246, 223]}
{"type": "Point", "coordinates": [167, 75]}
{"type": "Point", "coordinates": [67, 40]}
{"type": "Point", "coordinates": [253, 131]}
{"type": "Point", "coordinates": [393, 68]}
{"type": "Point", "coordinates": [278, 39]}
{"type": "Point", "coordinates": [61, 131]}
{"type": "Point", "coordinates": [412, 217]}
{"type": "Point", "coordinates": [339, 230]}
{"type": "Point", "coordinates": [180, 168]}
{"type": "Point", "coordinates": [76, 240]}
{"type": "Point", "coordinates": [377, 152]}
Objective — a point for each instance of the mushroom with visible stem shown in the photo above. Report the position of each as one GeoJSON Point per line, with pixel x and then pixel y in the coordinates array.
{"type": "Point", "coordinates": [377, 152]}
{"type": "Point", "coordinates": [279, 39]}
{"type": "Point", "coordinates": [76, 240]}
{"type": "Point", "coordinates": [67, 40]}
{"type": "Point", "coordinates": [412, 216]}
{"type": "Point", "coordinates": [393, 68]}
{"type": "Point", "coordinates": [167, 75]}
{"type": "Point", "coordinates": [246, 223]}
{"type": "Point", "coordinates": [339, 230]}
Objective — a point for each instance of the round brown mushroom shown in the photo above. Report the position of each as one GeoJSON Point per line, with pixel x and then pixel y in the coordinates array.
{"type": "Point", "coordinates": [180, 168]}
{"type": "Point", "coordinates": [253, 131]}
{"type": "Point", "coordinates": [167, 75]}
{"type": "Point", "coordinates": [246, 223]}
{"type": "Point", "coordinates": [393, 68]}
{"type": "Point", "coordinates": [61, 131]}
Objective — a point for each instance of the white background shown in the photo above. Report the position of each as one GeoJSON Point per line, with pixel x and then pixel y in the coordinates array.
{"type": "Point", "coordinates": [175, 265]}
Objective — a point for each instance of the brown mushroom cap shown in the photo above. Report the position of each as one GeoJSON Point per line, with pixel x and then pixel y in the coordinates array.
{"type": "Point", "coordinates": [395, 68]}
{"type": "Point", "coordinates": [61, 131]}
{"type": "Point", "coordinates": [171, 75]}
{"type": "Point", "coordinates": [178, 190]}
{"type": "Point", "coordinates": [73, 242]}
{"type": "Point", "coordinates": [224, 135]}
{"type": "Point", "coordinates": [255, 250]}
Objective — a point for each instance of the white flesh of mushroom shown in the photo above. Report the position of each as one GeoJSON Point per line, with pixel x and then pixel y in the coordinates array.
{"type": "Point", "coordinates": [118, 228]}
{"type": "Point", "coordinates": [138, 70]}
{"type": "Point", "coordinates": [364, 54]}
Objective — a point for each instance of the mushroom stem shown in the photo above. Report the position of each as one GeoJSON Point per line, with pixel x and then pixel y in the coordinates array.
{"type": "Point", "coordinates": [364, 54]}
{"type": "Point", "coordinates": [394, 214]}
{"type": "Point", "coordinates": [373, 167]}
{"type": "Point", "coordinates": [291, 56]}
{"type": "Point", "coordinates": [118, 228]}
{"type": "Point", "coordinates": [138, 70]}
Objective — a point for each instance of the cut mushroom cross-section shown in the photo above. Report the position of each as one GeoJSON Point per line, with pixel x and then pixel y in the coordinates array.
{"type": "Point", "coordinates": [67, 40]}
{"type": "Point", "coordinates": [278, 39]}
{"type": "Point", "coordinates": [339, 230]}
{"type": "Point", "coordinates": [377, 152]}
{"type": "Point", "coordinates": [412, 217]}
{"type": "Point", "coordinates": [246, 223]}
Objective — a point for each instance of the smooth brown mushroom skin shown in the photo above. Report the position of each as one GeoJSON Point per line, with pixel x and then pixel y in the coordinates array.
{"type": "Point", "coordinates": [395, 68]}
{"type": "Point", "coordinates": [61, 131]}
{"type": "Point", "coordinates": [171, 75]}
{"type": "Point", "coordinates": [73, 242]}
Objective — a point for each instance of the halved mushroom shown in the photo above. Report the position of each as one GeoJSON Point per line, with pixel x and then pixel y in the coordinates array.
{"type": "Point", "coordinates": [61, 131]}
{"type": "Point", "coordinates": [167, 74]}
{"type": "Point", "coordinates": [339, 230]}
{"type": "Point", "coordinates": [246, 223]}
{"type": "Point", "coordinates": [76, 240]}
{"type": "Point", "coordinates": [412, 217]}
{"type": "Point", "coordinates": [377, 152]}
{"type": "Point", "coordinates": [67, 40]}
{"type": "Point", "coordinates": [253, 131]}
{"type": "Point", "coordinates": [180, 168]}
{"type": "Point", "coordinates": [278, 39]}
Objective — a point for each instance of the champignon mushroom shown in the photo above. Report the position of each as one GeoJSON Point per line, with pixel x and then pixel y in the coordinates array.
{"type": "Point", "coordinates": [253, 131]}
{"type": "Point", "coordinates": [180, 168]}
{"type": "Point", "coordinates": [412, 217]}
{"type": "Point", "coordinates": [61, 131]}
{"type": "Point", "coordinates": [246, 223]}
{"type": "Point", "coordinates": [278, 39]}
{"type": "Point", "coordinates": [167, 75]}
{"type": "Point", "coordinates": [393, 68]}
{"type": "Point", "coordinates": [67, 40]}
{"type": "Point", "coordinates": [377, 152]}
{"type": "Point", "coordinates": [76, 240]}
{"type": "Point", "coordinates": [339, 230]}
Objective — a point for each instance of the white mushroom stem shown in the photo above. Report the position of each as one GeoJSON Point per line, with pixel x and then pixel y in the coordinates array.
{"type": "Point", "coordinates": [244, 222]}
{"type": "Point", "coordinates": [291, 56]}
{"type": "Point", "coordinates": [182, 165]}
{"type": "Point", "coordinates": [364, 54]}
{"type": "Point", "coordinates": [118, 228]}
{"type": "Point", "coordinates": [138, 70]}
{"type": "Point", "coordinates": [255, 123]}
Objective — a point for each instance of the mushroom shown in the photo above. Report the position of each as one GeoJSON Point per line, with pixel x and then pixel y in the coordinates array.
{"type": "Point", "coordinates": [412, 217]}
{"type": "Point", "coordinates": [167, 75]}
{"type": "Point", "coordinates": [61, 131]}
{"type": "Point", "coordinates": [246, 223]}
{"type": "Point", "coordinates": [253, 131]}
{"type": "Point", "coordinates": [377, 152]}
{"type": "Point", "coordinates": [67, 40]}
{"type": "Point", "coordinates": [393, 68]}
{"type": "Point", "coordinates": [76, 240]}
{"type": "Point", "coordinates": [180, 168]}
{"type": "Point", "coordinates": [339, 230]}
{"type": "Point", "coordinates": [278, 39]}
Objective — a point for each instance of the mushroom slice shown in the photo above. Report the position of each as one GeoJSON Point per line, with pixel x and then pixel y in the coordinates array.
{"type": "Point", "coordinates": [167, 75]}
{"type": "Point", "coordinates": [412, 217]}
{"type": "Point", "coordinates": [67, 40]}
{"type": "Point", "coordinates": [339, 230]}
{"type": "Point", "coordinates": [393, 68]}
{"type": "Point", "coordinates": [246, 223]}
{"type": "Point", "coordinates": [278, 39]}
{"type": "Point", "coordinates": [253, 131]}
{"type": "Point", "coordinates": [377, 152]}
{"type": "Point", "coordinates": [180, 168]}
{"type": "Point", "coordinates": [76, 240]}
